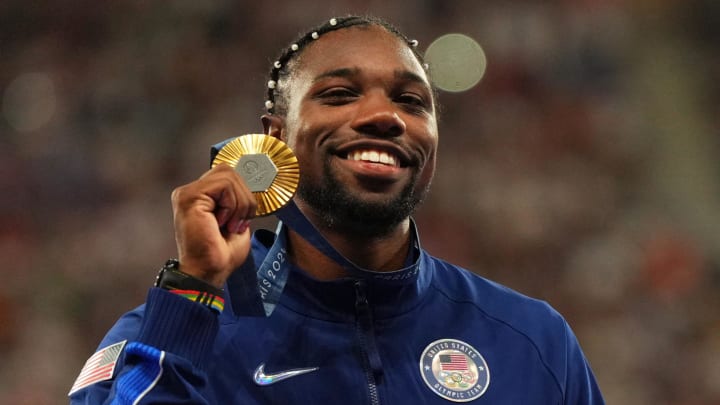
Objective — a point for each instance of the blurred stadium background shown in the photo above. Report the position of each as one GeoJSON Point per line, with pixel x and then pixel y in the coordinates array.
{"type": "Point", "coordinates": [583, 169]}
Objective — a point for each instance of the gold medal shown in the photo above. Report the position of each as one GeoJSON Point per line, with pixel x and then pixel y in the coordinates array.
{"type": "Point", "coordinates": [267, 164]}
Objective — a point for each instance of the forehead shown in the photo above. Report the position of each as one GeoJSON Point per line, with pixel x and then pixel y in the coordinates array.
{"type": "Point", "coordinates": [367, 48]}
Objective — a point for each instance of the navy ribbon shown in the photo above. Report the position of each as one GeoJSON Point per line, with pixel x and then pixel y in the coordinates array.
{"type": "Point", "coordinates": [265, 289]}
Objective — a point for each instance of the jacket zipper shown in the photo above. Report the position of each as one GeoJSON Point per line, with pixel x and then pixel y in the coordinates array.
{"type": "Point", "coordinates": [372, 364]}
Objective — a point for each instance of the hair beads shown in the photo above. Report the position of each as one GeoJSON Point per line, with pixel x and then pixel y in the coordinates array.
{"type": "Point", "coordinates": [281, 68]}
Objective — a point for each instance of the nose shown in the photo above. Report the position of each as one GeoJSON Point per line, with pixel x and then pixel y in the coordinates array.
{"type": "Point", "coordinates": [377, 116]}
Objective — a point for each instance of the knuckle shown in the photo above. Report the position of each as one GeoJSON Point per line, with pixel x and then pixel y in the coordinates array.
{"type": "Point", "coordinates": [181, 196]}
{"type": "Point", "coordinates": [224, 168]}
{"type": "Point", "coordinates": [176, 194]}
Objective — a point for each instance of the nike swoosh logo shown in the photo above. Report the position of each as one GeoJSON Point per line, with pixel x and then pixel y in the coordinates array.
{"type": "Point", "coordinates": [263, 379]}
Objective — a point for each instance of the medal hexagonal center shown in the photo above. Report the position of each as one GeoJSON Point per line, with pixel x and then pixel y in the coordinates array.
{"type": "Point", "coordinates": [258, 170]}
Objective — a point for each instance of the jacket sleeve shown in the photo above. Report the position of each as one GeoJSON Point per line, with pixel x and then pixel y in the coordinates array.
{"type": "Point", "coordinates": [165, 346]}
{"type": "Point", "coordinates": [580, 385]}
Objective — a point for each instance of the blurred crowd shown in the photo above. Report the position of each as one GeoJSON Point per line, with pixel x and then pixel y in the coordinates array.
{"type": "Point", "coordinates": [581, 170]}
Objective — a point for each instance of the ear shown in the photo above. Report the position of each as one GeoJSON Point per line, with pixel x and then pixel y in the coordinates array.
{"type": "Point", "coordinates": [274, 126]}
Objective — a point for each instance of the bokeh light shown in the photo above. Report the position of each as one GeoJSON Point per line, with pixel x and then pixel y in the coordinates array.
{"type": "Point", "coordinates": [457, 62]}
{"type": "Point", "coordinates": [29, 101]}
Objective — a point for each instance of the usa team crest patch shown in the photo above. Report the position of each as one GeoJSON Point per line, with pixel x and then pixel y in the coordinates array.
{"type": "Point", "coordinates": [454, 370]}
{"type": "Point", "coordinates": [99, 367]}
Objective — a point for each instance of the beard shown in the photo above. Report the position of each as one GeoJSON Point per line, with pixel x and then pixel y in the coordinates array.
{"type": "Point", "coordinates": [340, 210]}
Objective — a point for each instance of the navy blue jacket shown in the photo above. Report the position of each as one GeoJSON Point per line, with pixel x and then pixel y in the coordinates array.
{"type": "Point", "coordinates": [441, 334]}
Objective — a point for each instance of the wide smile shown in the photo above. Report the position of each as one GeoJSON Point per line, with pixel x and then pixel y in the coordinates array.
{"type": "Point", "coordinates": [375, 151]}
{"type": "Point", "coordinates": [385, 163]}
{"type": "Point", "coordinates": [374, 156]}
{"type": "Point", "coordinates": [378, 160]}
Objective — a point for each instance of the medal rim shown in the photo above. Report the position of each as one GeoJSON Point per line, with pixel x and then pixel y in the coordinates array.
{"type": "Point", "coordinates": [284, 185]}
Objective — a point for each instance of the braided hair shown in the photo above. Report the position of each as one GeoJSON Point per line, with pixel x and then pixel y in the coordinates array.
{"type": "Point", "coordinates": [282, 68]}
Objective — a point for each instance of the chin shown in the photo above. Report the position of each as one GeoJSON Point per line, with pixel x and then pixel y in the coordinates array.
{"type": "Point", "coordinates": [341, 210]}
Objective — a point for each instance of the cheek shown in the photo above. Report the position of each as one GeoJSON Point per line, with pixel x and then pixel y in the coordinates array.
{"type": "Point", "coordinates": [308, 137]}
{"type": "Point", "coordinates": [296, 133]}
{"type": "Point", "coordinates": [302, 146]}
{"type": "Point", "coordinates": [430, 145]}
{"type": "Point", "coordinates": [428, 172]}
{"type": "Point", "coordinates": [309, 158]}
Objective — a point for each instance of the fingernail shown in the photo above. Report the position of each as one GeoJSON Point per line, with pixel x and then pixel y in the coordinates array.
{"type": "Point", "coordinates": [242, 226]}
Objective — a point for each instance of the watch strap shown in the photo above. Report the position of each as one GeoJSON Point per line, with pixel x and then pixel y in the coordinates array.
{"type": "Point", "coordinates": [172, 279]}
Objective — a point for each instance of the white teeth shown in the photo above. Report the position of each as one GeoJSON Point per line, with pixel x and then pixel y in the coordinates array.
{"type": "Point", "coordinates": [373, 156]}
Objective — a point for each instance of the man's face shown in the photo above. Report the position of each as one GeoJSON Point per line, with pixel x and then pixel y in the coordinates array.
{"type": "Point", "coordinates": [362, 123]}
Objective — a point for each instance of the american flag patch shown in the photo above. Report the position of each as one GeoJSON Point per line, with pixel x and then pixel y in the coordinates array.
{"type": "Point", "coordinates": [453, 362]}
{"type": "Point", "coordinates": [99, 367]}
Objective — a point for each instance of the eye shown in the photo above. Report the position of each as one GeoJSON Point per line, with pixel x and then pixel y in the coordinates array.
{"type": "Point", "coordinates": [337, 95]}
{"type": "Point", "coordinates": [412, 102]}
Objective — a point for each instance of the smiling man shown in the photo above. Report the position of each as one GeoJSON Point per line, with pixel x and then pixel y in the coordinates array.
{"type": "Point", "coordinates": [361, 119]}
{"type": "Point", "coordinates": [386, 324]}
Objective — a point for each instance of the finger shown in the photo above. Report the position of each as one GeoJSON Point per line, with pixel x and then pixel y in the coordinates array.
{"type": "Point", "coordinates": [235, 203]}
{"type": "Point", "coordinates": [222, 216]}
{"type": "Point", "coordinates": [245, 210]}
{"type": "Point", "coordinates": [243, 204]}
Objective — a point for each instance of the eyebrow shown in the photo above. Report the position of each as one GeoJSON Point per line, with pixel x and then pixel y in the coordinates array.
{"type": "Point", "coordinates": [342, 72]}
{"type": "Point", "coordinates": [410, 76]}
{"type": "Point", "coordinates": [349, 72]}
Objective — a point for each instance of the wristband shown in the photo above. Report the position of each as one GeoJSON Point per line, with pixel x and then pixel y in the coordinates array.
{"type": "Point", "coordinates": [172, 279]}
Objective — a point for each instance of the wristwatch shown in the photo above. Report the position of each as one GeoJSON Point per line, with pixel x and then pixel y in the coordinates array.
{"type": "Point", "coordinates": [172, 279]}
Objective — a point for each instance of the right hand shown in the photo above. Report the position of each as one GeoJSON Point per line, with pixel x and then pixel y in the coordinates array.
{"type": "Point", "coordinates": [211, 218]}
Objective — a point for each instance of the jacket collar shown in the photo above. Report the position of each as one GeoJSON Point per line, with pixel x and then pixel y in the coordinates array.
{"type": "Point", "coordinates": [388, 294]}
